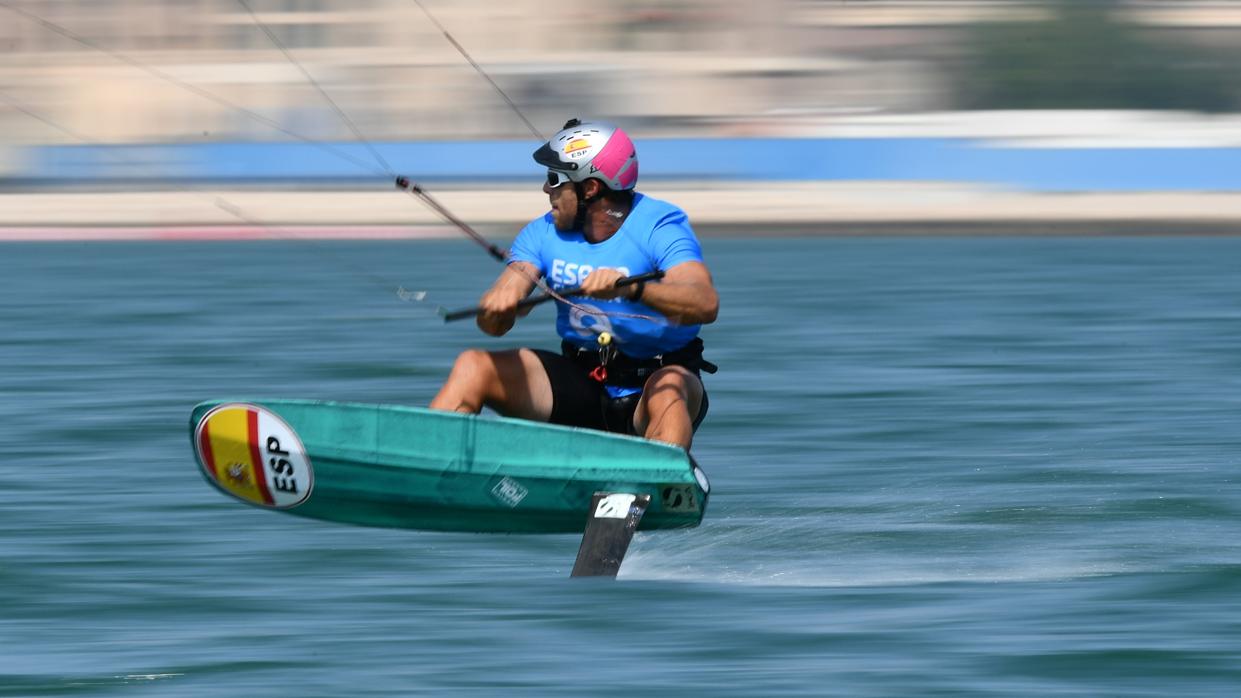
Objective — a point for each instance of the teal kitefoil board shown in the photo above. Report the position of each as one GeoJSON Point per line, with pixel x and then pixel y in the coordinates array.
{"type": "Point", "coordinates": [407, 467]}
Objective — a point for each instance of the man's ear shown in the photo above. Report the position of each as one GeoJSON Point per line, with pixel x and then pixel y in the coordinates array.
{"type": "Point", "coordinates": [591, 188]}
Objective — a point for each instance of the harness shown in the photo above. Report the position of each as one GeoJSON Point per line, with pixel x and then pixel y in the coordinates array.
{"type": "Point", "coordinates": [610, 366]}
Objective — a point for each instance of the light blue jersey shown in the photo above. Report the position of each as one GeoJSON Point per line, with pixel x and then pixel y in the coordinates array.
{"type": "Point", "coordinates": [655, 236]}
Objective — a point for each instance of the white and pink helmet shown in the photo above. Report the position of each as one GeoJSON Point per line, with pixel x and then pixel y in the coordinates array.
{"type": "Point", "coordinates": [592, 150]}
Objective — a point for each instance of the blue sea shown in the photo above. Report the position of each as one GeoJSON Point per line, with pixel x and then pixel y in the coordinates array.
{"type": "Point", "coordinates": [941, 466]}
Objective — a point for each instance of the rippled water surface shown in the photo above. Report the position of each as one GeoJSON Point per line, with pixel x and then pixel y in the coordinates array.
{"type": "Point", "coordinates": [941, 467]}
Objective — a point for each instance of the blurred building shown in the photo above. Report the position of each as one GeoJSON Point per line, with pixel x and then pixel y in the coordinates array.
{"type": "Point", "coordinates": [190, 70]}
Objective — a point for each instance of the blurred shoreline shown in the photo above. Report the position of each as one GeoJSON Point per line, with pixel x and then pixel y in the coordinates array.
{"type": "Point", "coordinates": [1021, 172]}
{"type": "Point", "coordinates": [155, 119]}
{"type": "Point", "coordinates": [736, 209]}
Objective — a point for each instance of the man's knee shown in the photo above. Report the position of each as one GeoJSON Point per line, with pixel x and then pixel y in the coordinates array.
{"type": "Point", "coordinates": [668, 388]}
{"type": "Point", "coordinates": [671, 400]}
{"type": "Point", "coordinates": [673, 382]}
{"type": "Point", "coordinates": [474, 363]}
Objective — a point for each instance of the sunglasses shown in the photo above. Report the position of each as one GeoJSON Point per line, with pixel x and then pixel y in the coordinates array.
{"type": "Point", "coordinates": [555, 178]}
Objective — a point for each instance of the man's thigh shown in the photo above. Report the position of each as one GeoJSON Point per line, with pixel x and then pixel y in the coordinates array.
{"type": "Point", "coordinates": [524, 390]}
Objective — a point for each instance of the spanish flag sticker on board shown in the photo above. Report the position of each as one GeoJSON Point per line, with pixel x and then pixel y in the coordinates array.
{"type": "Point", "coordinates": [252, 454]}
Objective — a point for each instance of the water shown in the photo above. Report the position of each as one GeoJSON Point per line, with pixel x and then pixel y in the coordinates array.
{"type": "Point", "coordinates": [940, 467]}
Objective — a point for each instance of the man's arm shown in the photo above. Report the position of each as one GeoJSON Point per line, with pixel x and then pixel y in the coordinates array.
{"type": "Point", "coordinates": [686, 295]}
{"type": "Point", "coordinates": [499, 303]}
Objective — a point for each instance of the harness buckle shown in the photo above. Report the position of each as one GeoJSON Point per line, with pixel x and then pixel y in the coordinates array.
{"type": "Point", "coordinates": [606, 350]}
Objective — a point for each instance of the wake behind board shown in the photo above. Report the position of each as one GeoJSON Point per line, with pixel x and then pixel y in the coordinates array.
{"type": "Point", "coordinates": [408, 467]}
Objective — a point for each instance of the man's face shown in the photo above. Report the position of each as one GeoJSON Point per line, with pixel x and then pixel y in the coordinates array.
{"type": "Point", "coordinates": [563, 198]}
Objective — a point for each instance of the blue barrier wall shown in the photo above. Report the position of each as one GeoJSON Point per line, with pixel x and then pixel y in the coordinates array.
{"type": "Point", "coordinates": [727, 160]}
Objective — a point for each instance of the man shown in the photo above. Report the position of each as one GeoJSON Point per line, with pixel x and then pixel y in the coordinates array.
{"type": "Point", "coordinates": [631, 357]}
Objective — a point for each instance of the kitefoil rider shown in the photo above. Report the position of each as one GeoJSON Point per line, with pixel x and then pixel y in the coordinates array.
{"type": "Point", "coordinates": [631, 359]}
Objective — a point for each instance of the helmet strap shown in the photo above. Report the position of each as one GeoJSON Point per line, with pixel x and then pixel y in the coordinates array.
{"type": "Point", "coordinates": [583, 203]}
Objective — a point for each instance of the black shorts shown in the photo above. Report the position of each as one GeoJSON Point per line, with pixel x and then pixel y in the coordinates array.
{"type": "Point", "coordinates": [581, 401]}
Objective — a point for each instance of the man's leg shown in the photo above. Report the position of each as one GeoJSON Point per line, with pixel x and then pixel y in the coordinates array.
{"type": "Point", "coordinates": [670, 402]}
{"type": "Point", "coordinates": [512, 383]}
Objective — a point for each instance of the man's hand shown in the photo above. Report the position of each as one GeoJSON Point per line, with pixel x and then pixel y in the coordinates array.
{"type": "Point", "coordinates": [498, 311]}
{"type": "Point", "coordinates": [601, 283]}
{"type": "Point", "coordinates": [498, 307]}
